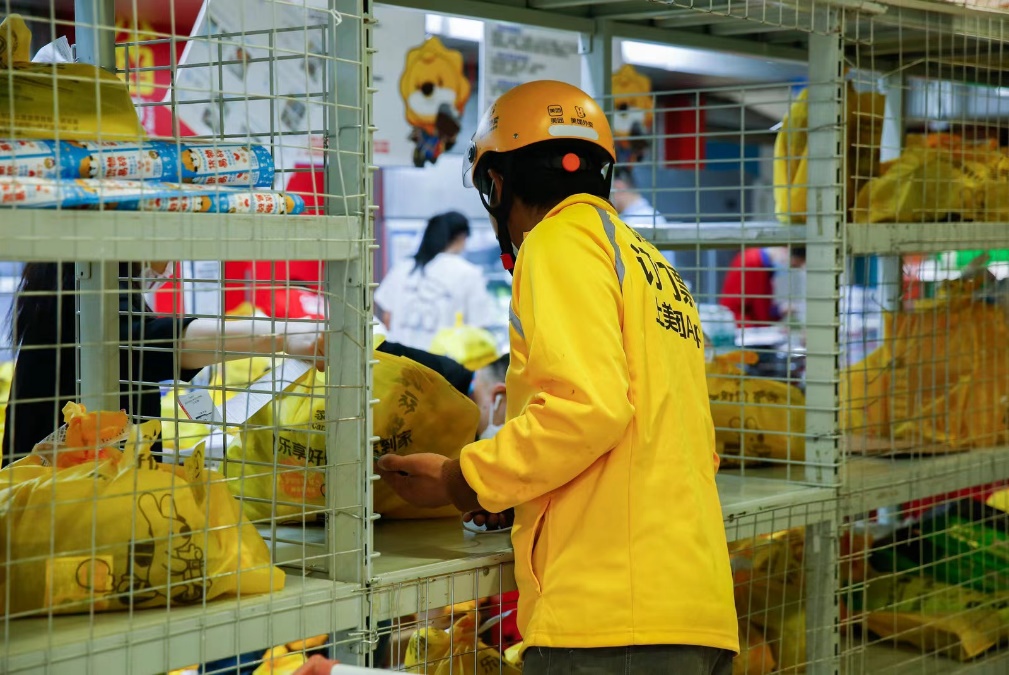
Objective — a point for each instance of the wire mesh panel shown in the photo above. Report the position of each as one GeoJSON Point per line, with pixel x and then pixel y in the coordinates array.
{"type": "Point", "coordinates": [703, 174]}
{"type": "Point", "coordinates": [186, 184]}
{"type": "Point", "coordinates": [923, 388]}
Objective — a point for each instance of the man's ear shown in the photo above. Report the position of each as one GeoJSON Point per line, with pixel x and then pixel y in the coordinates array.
{"type": "Point", "coordinates": [498, 180]}
{"type": "Point", "coordinates": [499, 388]}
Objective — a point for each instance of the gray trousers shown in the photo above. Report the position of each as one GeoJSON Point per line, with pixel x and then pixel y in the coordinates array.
{"type": "Point", "coordinates": [637, 660]}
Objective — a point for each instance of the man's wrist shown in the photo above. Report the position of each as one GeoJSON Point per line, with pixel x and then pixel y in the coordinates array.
{"type": "Point", "coordinates": [462, 495]}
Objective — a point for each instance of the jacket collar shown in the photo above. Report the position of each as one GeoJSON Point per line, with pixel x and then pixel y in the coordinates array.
{"type": "Point", "coordinates": [582, 199]}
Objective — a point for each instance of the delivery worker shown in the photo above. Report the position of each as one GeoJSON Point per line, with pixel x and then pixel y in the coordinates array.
{"type": "Point", "coordinates": [608, 456]}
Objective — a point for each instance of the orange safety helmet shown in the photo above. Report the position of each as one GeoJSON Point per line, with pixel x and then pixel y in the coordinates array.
{"type": "Point", "coordinates": [535, 112]}
{"type": "Point", "coordinates": [538, 111]}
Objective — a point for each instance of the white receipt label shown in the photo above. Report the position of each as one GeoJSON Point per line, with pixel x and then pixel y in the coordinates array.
{"type": "Point", "coordinates": [199, 406]}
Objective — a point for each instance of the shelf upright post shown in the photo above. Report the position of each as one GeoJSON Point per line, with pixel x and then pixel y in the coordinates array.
{"type": "Point", "coordinates": [596, 49]}
{"type": "Point", "coordinates": [890, 266]}
{"type": "Point", "coordinates": [97, 282]}
{"type": "Point", "coordinates": [349, 335]}
{"type": "Point", "coordinates": [824, 225]}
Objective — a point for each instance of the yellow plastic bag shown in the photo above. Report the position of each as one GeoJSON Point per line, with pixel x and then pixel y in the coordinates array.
{"type": "Point", "coordinates": [419, 411]}
{"type": "Point", "coordinates": [6, 380]}
{"type": "Point", "coordinates": [863, 134]}
{"type": "Point", "coordinates": [941, 377]}
{"type": "Point", "coordinates": [755, 418]}
{"type": "Point", "coordinates": [922, 185]}
{"type": "Point", "coordinates": [227, 380]}
{"type": "Point", "coordinates": [433, 651]}
{"type": "Point", "coordinates": [72, 101]}
{"type": "Point", "coordinates": [123, 532]}
{"type": "Point", "coordinates": [279, 458]}
{"type": "Point", "coordinates": [473, 347]}
{"type": "Point", "coordinates": [768, 582]}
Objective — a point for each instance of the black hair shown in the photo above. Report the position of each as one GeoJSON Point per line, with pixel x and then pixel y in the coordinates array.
{"type": "Point", "coordinates": [799, 252]}
{"type": "Point", "coordinates": [539, 179]}
{"type": "Point", "coordinates": [499, 368]}
{"type": "Point", "coordinates": [625, 174]}
{"type": "Point", "coordinates": [45, 301]}
{"type": "Point", "coordinates": [441, 231]}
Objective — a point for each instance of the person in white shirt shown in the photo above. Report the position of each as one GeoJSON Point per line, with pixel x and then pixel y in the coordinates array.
{"type": "Point", "coordinates": [426, 293]}
{"type": "Point", "coordinates": [634, 209]}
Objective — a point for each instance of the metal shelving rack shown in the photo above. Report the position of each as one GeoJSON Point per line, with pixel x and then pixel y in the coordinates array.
{"type": "Point", "coordinates": [831, 487]}
{"type": "Point", "coordinates": [378, 571]}
{"type": "Point", "coordinates": [323, 593]}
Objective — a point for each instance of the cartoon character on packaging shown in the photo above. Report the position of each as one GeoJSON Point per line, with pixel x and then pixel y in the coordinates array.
{"type": "Point", "coordinates": [633, 113]}
{"type": "Point", "coordinates": [435, 91]}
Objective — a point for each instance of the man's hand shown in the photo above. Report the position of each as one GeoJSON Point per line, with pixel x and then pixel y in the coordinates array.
{"type": "Point", "coordinates": [493, 521]}
{"type": "Point", "coordinates": [418, 478]}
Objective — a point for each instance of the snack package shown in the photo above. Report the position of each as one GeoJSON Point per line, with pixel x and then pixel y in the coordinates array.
{"type": "Point", "coordinates": [227, 164]}
{"type": "Point", "coordinates": [137, 195]}
{"type": "Point", "coordinates": [933, 616]}
{"type": "Point", "coordinates": [77, 513]}
{"type": "Point", "coordinates": [74, 101]}
{"type": "Point", "coordinates": [457, 651]}
{"type": "Point", "coordinates": [956, 544]}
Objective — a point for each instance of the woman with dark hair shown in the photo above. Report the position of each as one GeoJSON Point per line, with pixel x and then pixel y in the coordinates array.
{"type": "Point", "coordinates": [153, 349]}
{"type": "Point", "coordinates": [428, 292]}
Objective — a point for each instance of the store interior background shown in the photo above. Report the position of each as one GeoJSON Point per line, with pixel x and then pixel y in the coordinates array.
{"type": "Point", "coordinates": [706, 148]}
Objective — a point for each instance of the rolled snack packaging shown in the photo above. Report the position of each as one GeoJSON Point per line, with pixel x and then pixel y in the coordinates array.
{"type": "Point", "coordinates": [28, 159]}
{"type": "Point", "coordinates": [258, 201]}
{"type": "Point", "coordinates": [124, 160]}
{"type": "Point", "coordinates": [39, 193]}
{"type": "Point", "coordinates": [121, 160]}
{"type": "Point", "coordinates": [227, 164]}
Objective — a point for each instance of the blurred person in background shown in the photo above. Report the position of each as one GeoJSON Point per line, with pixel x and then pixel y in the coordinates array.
{"type": "Point", "coordinates": [154, 349]}
{"type": "Point", "coordinates": [750, 291]}
{"type": "Point", "coordinates": [634, 209]}
{"type": "Point", "coordinates": [424, 294]}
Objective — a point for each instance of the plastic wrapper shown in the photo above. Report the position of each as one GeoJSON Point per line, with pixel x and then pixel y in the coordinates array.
{"type": "Point", "coordinates": [62, 559]}
{"type": "Point", "coordinates": [957, 544]}
{"type": "Point", "coordinates": [434, 651]}
{"type": "Point", "coordinates": [135, 195]}
{"type": "Point", "coordinates": [956, 401]}
{"type": "Point", "coordinates": [755, 656]}
{"type": "Point", "coordinates": [228, 164]}
{"type": "Point", "coordinates": [755, 418]}
{"type": "Point", "coordinates": [769, 591]}
{"type": "Point", "coordinates": [67, 100]}
{"type": "Point", "coordinates": [933, 616]}
{"type": "Point", "coordinates": [419, 412]}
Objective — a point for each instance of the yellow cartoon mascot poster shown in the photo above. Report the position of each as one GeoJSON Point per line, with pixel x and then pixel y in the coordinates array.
{"type": "Point", "coordinates": [633, 113]}
{"type": "Point", "coordinates": [435, 91]}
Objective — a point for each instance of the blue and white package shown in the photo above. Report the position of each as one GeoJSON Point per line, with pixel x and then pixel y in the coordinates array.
{"type": "Point", "coordinates": [230, 164]}
{"type": "Point", "coordinates": [258, 201]}
{"type": "Point", "coordinates": [28, 159]}
{"type": "Point", "coordinates": [120, 160]}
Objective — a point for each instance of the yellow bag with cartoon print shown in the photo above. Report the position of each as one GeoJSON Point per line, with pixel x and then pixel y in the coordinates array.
{"type": "Point", "coordinates": [119, 531]}
{"type": "Point", "coordinates": [457, 651]}
{"type": "Point", "coordinates": [418, 411]}
{"type": "Point", "coordinates": [755, 418]}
